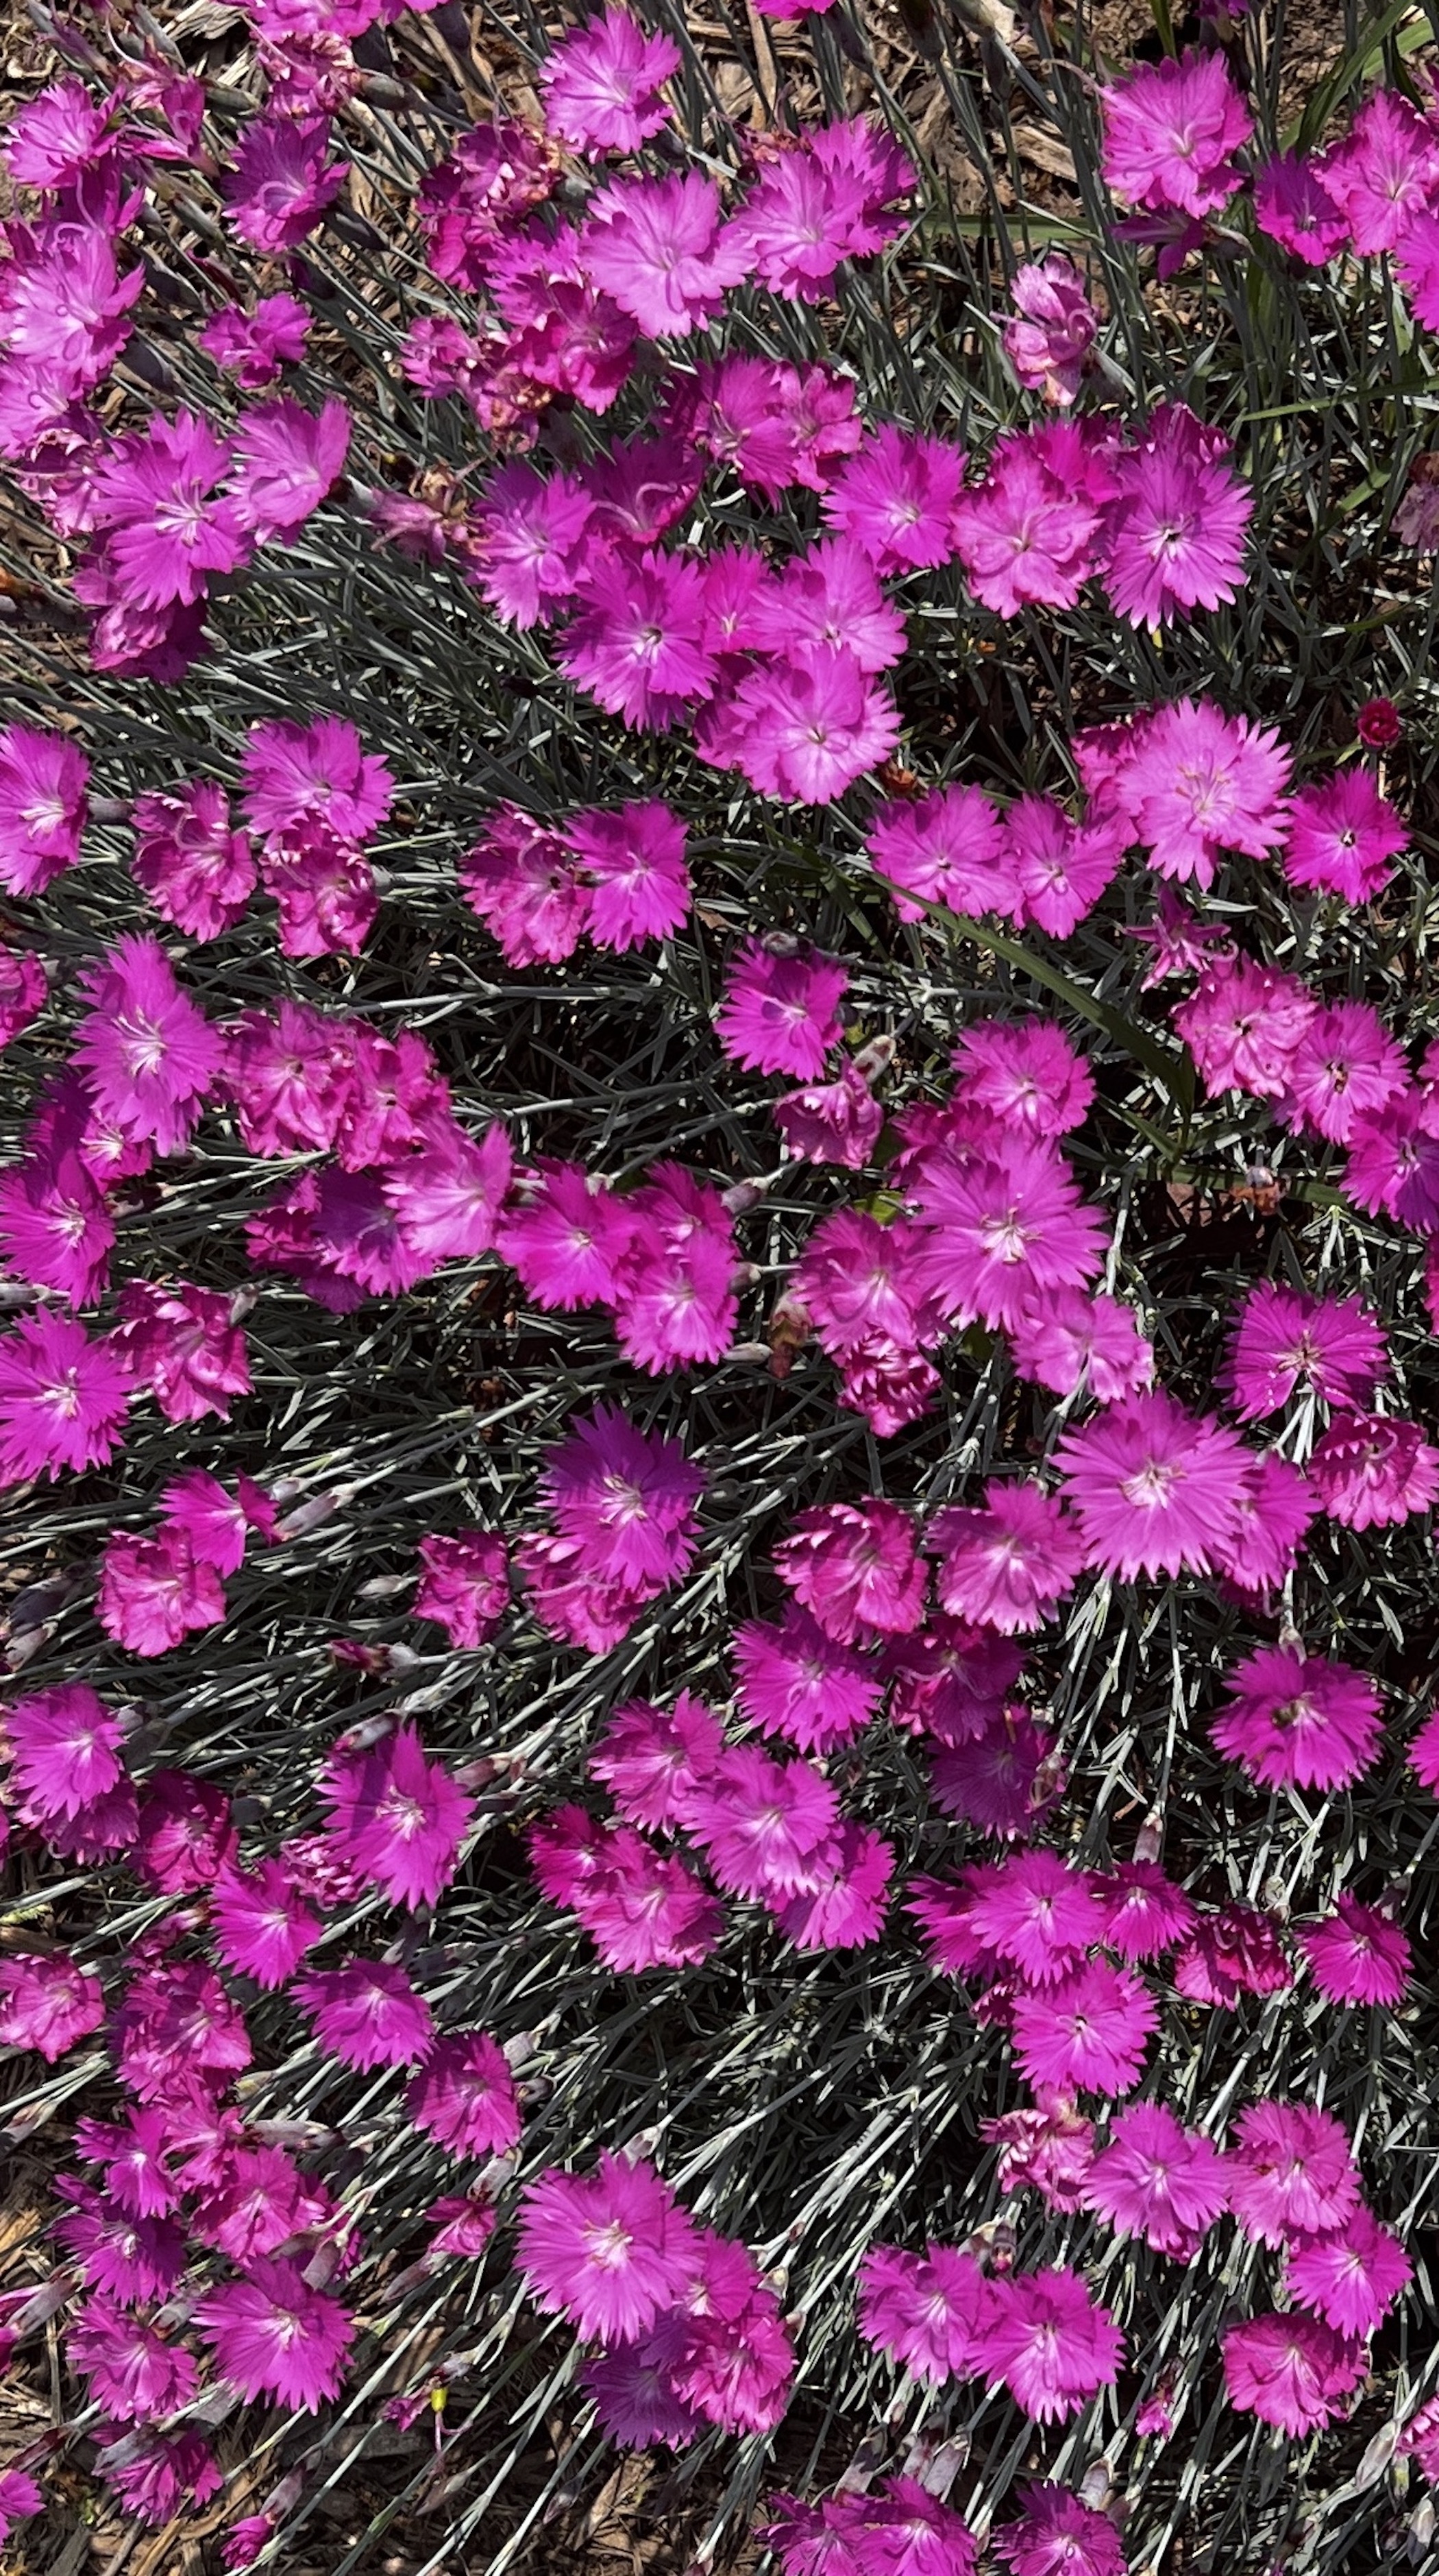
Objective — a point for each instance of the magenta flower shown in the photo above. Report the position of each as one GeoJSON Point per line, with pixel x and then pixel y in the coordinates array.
{"type": "Point", "coordinates": [522, 879]}
{"type": "Point", "coordinates": [1054, 327]}
{"type": "Point", "coordinates": [186, 1834]}
{"type": "Point", "coordinates": [635, 864]}
{"type": "Point", "coordinates": [318, 773]}
{"type": "Point", "coordinates": [1176, 522]}
{"type": "Point", "coordinates": [609, 2251]}
{"type": "Point", "coordinates": [262, 1925]}
{"type": "Point", "coordinates": [174, 2022]}
{"type": "Point", "coordinates": [1291, 2172]}
{"type": "Point", "coordinates": [181, 1344]}
{"type": "Point", "coordinates": [24, 991]}
{"type": "Point", "coordinates": [653, 1761]}
{"type": "Point", "coordinates": [151, 1056]}
{"type": "Point", "coordinates": [1144, 1912]}
{"type": "Point", "coordinates": [1158, 2181]}
{"type": "Point", "coordinates": [1293, 203]}
{"type": "Point", "coordinates": [44, 803]}
{"type": "Point", "coordinates": [602, 83]}
{"type": "Point", "coordinates": [273, 2336]}
{"type": "Point", "coordinates": [396, 1818]}
{"type": "Point", "coordinates": [925, 2311]}
{"type": "Point", "coordinates": [780, 1010]}
{"type": "Point", "coordinates": [1068, 1337]}
{"type": "Point", "coordinates": [528, 540]}
{"type": "Point", "coordinates": [1371, 1469]}
{"type": "Point", "coordinates": [896, 497]}
{"type": "Point", "coordinates": [54, 139]}
{"type": "Point", "coordinates": [47, 2002]}
{"type": "Point", "coordinates": [1048, 2149]}
{"type": "Point", "coordinates": [831, 197]}
{"type": "Point", "coordinates": [1352, 2277]}
{"type": "Point", "coordinates": [154, 2475]}
{"type": "Point", "coordinates": [1299, 1720]}
{"type": "Point", "coordinates": [133, 2371]}
{"type": "Point", "coordinates": [843, 1901]}
{"type": "Point", "coordinates": [464, 2096]}
{"type": "Point", "coordinates": [1291, 2371]}
{"type": "Point", "coordinates": [62, 1399]}
{"type": "Point", "coordinates": [1357, 1955]}
{"type": "Point", "coordinates": [1004, 1224]}
{"type": "Point", "coordinates": [1198, 782]}
{"type": "Point", "coordinates": [1393, 1162]}
{"type": "Point", "coordinates": [198, 872]}
{"type": "Point", "coordinates": [1009, 1565]}
{"type": "Point", "coordinates": [1276, 1506]}
{"type": "Point", "coordinates": [1170, 132]}
{"type": "Point", "coordinates": [657, 246]}
{"type": "Point", "coordinates": [168, 526]}
{"type": "Point", "coordinates": [627, 1499]}
{"type": "Point", "coordinates": [1154, 1489]}
{"type": "Point", "coordinates": [637, 643]}
{"type": "Point", "coordinates": [1344, 1068]}
{"type": "Point", "coordinates": [1284, 1339]}
{"type": "Point", "coordinates": [948, 847]}
{"type": "Point", "coordinates": [1005, 1778]}
{"type": "Point", "coordinates": [763, 1826]}
{"type": "Point", "coordinates": [1342, 836]}
{"type": "Point", "coordinates": [1244, 1027]}
{"type": "Point", "coordinates": [366, 2014]}
{"type": "Point", "coordinates": [1056, 2535]}
{"type": "Point", "coordinates": [1043, 2336]}
{"type": "Point", "coordinates": [806, 728]}
{"type": "Point", "coordinates": [1233, 1952]}
{"type": "Point", "coordinates": [1026, 1070]}
{"type": "Point", "coordinates": [287, 461]}
{"type": "Point", "coordinates": [855, 1568]}
{"type": "Point", "coordinates": [154, 1591]}
{"type": "Point", "coordinates": [282, 182]}
{"type": "Point", "coordinates": [253, 346]}
{"type": "Point", "coordinates": [65, 1750]}
{"type": "Point", "coordinates": [1383, 172]}
{"type": "Point", "coordinates": [465, 1585]}
{"type": "Point", "coordinates": [1035, 1912]}
{"type": "Point", "coordinates": [793, 1681]}
{"type": "Point", "coordinates": [1026, 537]}
{"type": "Point", "coordinates": [1087, 2033]}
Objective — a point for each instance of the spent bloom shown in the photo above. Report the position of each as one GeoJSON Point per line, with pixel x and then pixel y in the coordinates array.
{"type": "Point", "coordinates": [1053, 328]}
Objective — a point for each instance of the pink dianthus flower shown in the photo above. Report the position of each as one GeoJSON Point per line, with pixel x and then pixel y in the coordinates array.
{"type": "Point", "coordinates": [1054, 327]}
{"type": "Point", "coordinates": [1050, 2344]}
{"type": "Point", "coordinates": [795, 1682]}
{"type": "Point", "coordinates": [464, 2096]}
{"type": "Point", "coordinates": [282, 182]}
{"type": "Point", "coordinates": [1291, 2172]}
{"type": "Point", "coordinates": [62, 1399]}
{"type": "Point", "coordinates": [896, 498]}
{"type": "Point", "coordinates": [262, 1925]}
{"type": "Point", "coordinates": [366, 2013]}
{"type": "Point", "coordinates": [1357, 1955]}
{"type": "Point", "coordinates": [273, 2336]}
{"type": "Point", "coordinates": [44, 779]}
{"type": "Point", "coordinates": [197, 871]}
{"type": "Point", "coordinates": [602, 81]}
{"type": "Point", "coordinates": [925, 2311]}
{"type": "Point", "coordinates": [314, 773]}
{"type": "Point", "coordinates": [1056, 2535]}
{"type": "Point", "coordinates": [1198, 783]}
{"type": "Point", "coordinates": [1299, 1720]}
{"type": "Point", "coordinates": [1371, 1469]}
{"type": "Point", "coordinates": [1086, 2033]}
{"type": "Point", "coordinates": [1171, 130]}
{"type": "Point", "coordinates": [1351, 2276]}
{"type": "Point", "coordinates": [1284, 1340]}
{"type": "Point", "coordinates": [654, 1761]}
{"type": "Point", "coordinates": [396, 1817]}
{"type": "Point", "coordinates": [855, 1568]}
{"type": "Point", "coordinates": [609, 2251]}
{"type": "Point", "coordinates": [1158, 2181]}
{"type": "Point", "coordinates": [1342, 836]}
{"type": "Point", "coordinates": [1291, 2371]}
{"type": "Point", "coordinates": [626, 1498]}
{"type": "Point", "coordinates": [1177, 521]}
{"type": "Point", "coordinates": [780, 1010]}
{"type": "Point", "coordinates": [465, 1585]}
{"type": "Point", "coordinates": [1154, 1489]}
{"type": "Point", "coordinates": [657, 246]}
{"type": "Point", "coordinates": [1009, 1565]}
